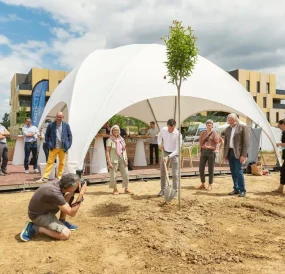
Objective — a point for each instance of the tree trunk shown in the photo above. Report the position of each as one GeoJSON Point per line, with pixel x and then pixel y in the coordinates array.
{"type": "Point", "coordinates": [179, 149]}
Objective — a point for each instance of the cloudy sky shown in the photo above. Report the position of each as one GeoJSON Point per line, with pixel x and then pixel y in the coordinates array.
{"type": "Point", "coordinates": [58, 34]}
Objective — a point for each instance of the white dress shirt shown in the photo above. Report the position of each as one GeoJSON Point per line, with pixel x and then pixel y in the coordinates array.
{"type": "Point", "coordinates": [232, 136]}
{"type": "Point", "coordinates": [27, 130]}
{"type": "Point", "coordinates": [170, 141]}
{"type": "Point", "coordinates": [3, 130]}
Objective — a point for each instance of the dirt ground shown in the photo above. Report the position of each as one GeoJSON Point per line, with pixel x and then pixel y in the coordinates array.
{"type": "Point", "coordinates": [213, 233]}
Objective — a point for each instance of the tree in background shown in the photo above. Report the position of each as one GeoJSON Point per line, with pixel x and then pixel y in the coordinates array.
{"type": "Point", "coordinates": [122, 120]}
{"type": "Point", "coordinates": [137, 123]}
{"type": "Point", "coordinates": [182, 53]}
{"type": "Point", "coordinates": [22, 115]}
{"type": "Point", "coordinates": [203, 118]}
{"type": "Point", "coordinates": [127, 121]}
{"type": "Point", "coordinates": [6, 120]}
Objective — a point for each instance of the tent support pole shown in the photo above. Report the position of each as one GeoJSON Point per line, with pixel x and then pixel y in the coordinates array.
{"type": "Point", "coordinates": [151, 109]}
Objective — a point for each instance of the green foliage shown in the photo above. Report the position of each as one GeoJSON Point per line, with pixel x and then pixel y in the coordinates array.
{"type": "Point", "coordinates": [126, 121]}
{"type": "Point", "coordinates": [6, 120]}
{"type": "Point", "coordinates": [203, 118]}
{"type": "Point", "coordinates": [137, 123]}
{"type": "Point", "coordinates": [122, 120]}
{"type": "Point", "coordinates": [182, 53]}
{"type": "Point", "coordinates": [22, 115]}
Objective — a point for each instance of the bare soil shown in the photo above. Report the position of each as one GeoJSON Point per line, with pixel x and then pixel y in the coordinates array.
{"type": "Point", "coordinates": [213, 233]}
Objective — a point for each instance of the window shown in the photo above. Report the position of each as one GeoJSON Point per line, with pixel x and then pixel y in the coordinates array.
{"type": "Point", "coordinates": [277, 117]}
{"type": "Point", "coordinates": [267, 116]}
{"type": "Point", "coordinates": [258, 87]}
{"type": "Point", "coordinates": [247, 85]}
{"type": "Point", "coordinates": [264, 102]}
{"type": "Point", "coordinates": [254, 98]}
{"type": "Point", "coordinates": [267, 88]}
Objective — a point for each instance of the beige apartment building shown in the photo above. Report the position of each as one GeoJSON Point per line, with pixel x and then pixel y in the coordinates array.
{"type": "Point", "coordinates": [21, 90]}
{"type": "Point", "coordinates": [262, 87]}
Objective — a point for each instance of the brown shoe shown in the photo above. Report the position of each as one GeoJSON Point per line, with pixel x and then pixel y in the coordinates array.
{"type": "Point", "coordinates": [128, 192]}
{"type": "Point", "coordinates": [210, 187]}
{"type": "Point", "coordinates": [201, 187]}
{"type": "Point", "coordinates": [278, 190]}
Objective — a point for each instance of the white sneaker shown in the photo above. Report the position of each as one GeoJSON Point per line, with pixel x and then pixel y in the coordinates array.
{"type": "Point", "coordinates": [36, 170]}
{"type": "Point", "coordinates": [42, 180]}
{"type": "Point", "coordinates": [27, 171]}
{"type": "Point", "coordinates": [58, 177]}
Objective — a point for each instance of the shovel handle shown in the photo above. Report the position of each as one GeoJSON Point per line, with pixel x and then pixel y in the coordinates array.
{"type": "Point", "coordinates": [165, 167]}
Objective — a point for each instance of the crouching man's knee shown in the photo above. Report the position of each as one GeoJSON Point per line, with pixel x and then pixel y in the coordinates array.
{"type": "Point", "coordinates": [65, 234]}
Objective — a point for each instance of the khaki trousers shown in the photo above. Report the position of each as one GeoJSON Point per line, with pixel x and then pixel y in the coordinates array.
{"type": "Point", "coordinates": [123, 168]}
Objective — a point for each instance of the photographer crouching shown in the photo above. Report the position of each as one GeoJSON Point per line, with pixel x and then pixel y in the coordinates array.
{"type": "Point", "coordinates": [48, 199]}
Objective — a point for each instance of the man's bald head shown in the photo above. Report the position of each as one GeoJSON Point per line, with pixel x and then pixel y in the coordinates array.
{"type": "Point", "coordinates": [59, 117]}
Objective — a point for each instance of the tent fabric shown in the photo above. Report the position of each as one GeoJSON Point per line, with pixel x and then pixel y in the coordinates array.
{"type": "Point", "coordinates": [130, 80]}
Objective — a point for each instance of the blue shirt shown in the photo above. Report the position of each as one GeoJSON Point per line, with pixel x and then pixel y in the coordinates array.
{"type": "Point", "coordinates": [27, 130]}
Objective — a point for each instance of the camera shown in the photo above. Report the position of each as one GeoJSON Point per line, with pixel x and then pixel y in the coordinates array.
{"type": "Point", "coordinates": [82, 181]}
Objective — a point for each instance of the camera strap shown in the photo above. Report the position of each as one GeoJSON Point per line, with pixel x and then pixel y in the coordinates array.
{"type": "Point", "coordinates": [77, 203]}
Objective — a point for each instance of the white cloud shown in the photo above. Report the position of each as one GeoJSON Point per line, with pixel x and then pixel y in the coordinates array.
{"type": "Point", "coordinates": [10, 18]}
{"type": "Point", "coordinates": [44, 24]}
{"type": "Point", "coordinates": [22, 58]}
{"type": "Point", "coordinates": [4, 40]}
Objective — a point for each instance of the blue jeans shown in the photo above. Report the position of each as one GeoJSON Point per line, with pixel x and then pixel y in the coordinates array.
{"type": "Point", "coordinates": [236, 170]}
{"type": "Point", "coordinates": [28, 148]}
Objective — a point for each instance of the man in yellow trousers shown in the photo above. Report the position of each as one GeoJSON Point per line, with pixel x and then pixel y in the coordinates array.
{"type": "Point", "coordinates": [58, 137]}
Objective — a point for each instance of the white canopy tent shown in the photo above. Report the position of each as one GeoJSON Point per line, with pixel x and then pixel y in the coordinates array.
{"type": "Point", "coordinates": [130, 80]}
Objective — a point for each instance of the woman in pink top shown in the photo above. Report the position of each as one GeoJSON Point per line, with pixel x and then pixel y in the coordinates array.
{"type": "Point", "coordinates": [209, 139]}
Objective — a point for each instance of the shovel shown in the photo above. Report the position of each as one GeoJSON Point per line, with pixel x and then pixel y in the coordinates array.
{"type": "Point", "coordinates": [169, 192]}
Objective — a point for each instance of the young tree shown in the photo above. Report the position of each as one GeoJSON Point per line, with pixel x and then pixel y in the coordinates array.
{"type": "Point", "coordinates": [182, 53]}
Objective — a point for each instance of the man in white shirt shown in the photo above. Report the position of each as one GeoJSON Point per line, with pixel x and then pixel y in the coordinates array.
{"type": "Point", "coordinates": [3, 150]}
{"type": "Point", "coordinates": [153, 132]}
{"type": "Point", "coordinates": [168, 143]}
{"type": "Point", "coordinates": [31, 134]}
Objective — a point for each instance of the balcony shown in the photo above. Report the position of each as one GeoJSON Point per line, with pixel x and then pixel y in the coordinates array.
{"type": "Point", "coordinates": [24, 87]}
{"type": "Point", "coordinates": [279, 106]}
{"type": "Point", "coordinates": [280, 91]}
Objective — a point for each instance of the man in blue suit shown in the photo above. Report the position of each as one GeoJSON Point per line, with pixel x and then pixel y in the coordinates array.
{"type": "Point", "coordinates": [58, 137]}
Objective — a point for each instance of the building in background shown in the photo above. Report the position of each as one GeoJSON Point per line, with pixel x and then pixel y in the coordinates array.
{"type": "Point", "coordinates": [21, 91]}
{"type": "Point", "coordinates": [262, 87]}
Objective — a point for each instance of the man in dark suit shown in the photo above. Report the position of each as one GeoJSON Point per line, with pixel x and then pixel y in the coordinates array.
{"type": "Point", "coordinates": [59, 139]}
{"type": "Point", "coordinates": [235, 151]}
